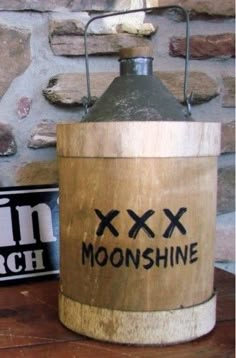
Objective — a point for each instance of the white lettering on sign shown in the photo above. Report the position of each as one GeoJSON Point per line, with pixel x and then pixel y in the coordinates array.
{"type": "Point", "coordinates": [22, 261]}
{"type": "Point", "coordinates": [12, 262]}
{"type": "Point", "coordinates": [6, 237]}
{"type": "Point", "coordinates": [26, 223]}
{"type": "Point", "coordinates": [29, 224]}
{"type": "Point", "coordinates": [2, 266]}
{"type": "Point", "coordinates": [34, 260]}
{"type": "Point", "coordinates": [25, 213]}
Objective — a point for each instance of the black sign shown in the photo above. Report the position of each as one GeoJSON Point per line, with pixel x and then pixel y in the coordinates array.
{"type": "Point", "coordinates": [29, 232]}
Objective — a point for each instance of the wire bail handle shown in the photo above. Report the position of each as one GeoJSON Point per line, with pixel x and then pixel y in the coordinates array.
{"type": "Point", "coordinates": [89, 100]}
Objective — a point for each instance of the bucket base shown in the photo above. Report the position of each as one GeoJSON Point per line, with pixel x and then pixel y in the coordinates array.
{"type": "Point", "coordinates": [155, 327]}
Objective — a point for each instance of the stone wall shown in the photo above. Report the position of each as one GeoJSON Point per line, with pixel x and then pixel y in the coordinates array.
{"type": "Point", "coordinates": [42, 78]}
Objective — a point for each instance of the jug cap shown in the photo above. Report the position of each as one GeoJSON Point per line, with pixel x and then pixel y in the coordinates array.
{"type": "Point", "coordinates": [131, 52]}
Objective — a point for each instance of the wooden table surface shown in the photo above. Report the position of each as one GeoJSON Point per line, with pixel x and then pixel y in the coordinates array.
{"type": "Point", "coordinates": [29, 327]}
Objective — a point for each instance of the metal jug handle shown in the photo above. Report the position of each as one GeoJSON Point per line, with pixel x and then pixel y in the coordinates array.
{"type": "Point", "coordinates": [88, 101]}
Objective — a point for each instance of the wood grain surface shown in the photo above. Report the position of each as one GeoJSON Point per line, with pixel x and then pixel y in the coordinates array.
{"type": "Point", "coordinates": [111, 171]}
{"type": "Point", "coordinates": [29, 327]}
{"type": "Point", "coordinates": [140, 185]}
{"type": "Point", "coordinates": [129, 139]}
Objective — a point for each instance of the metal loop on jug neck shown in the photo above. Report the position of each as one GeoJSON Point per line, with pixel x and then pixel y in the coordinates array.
{"type": "Point", "coordinates": [186, 14]}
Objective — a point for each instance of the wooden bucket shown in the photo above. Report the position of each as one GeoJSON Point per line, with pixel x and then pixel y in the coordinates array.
{"type": "Point", "coordinates": [137, 222]}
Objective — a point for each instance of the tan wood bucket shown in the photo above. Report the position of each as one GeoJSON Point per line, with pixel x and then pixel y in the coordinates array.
{"type": "Point", "coordinates": [137, 223]}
